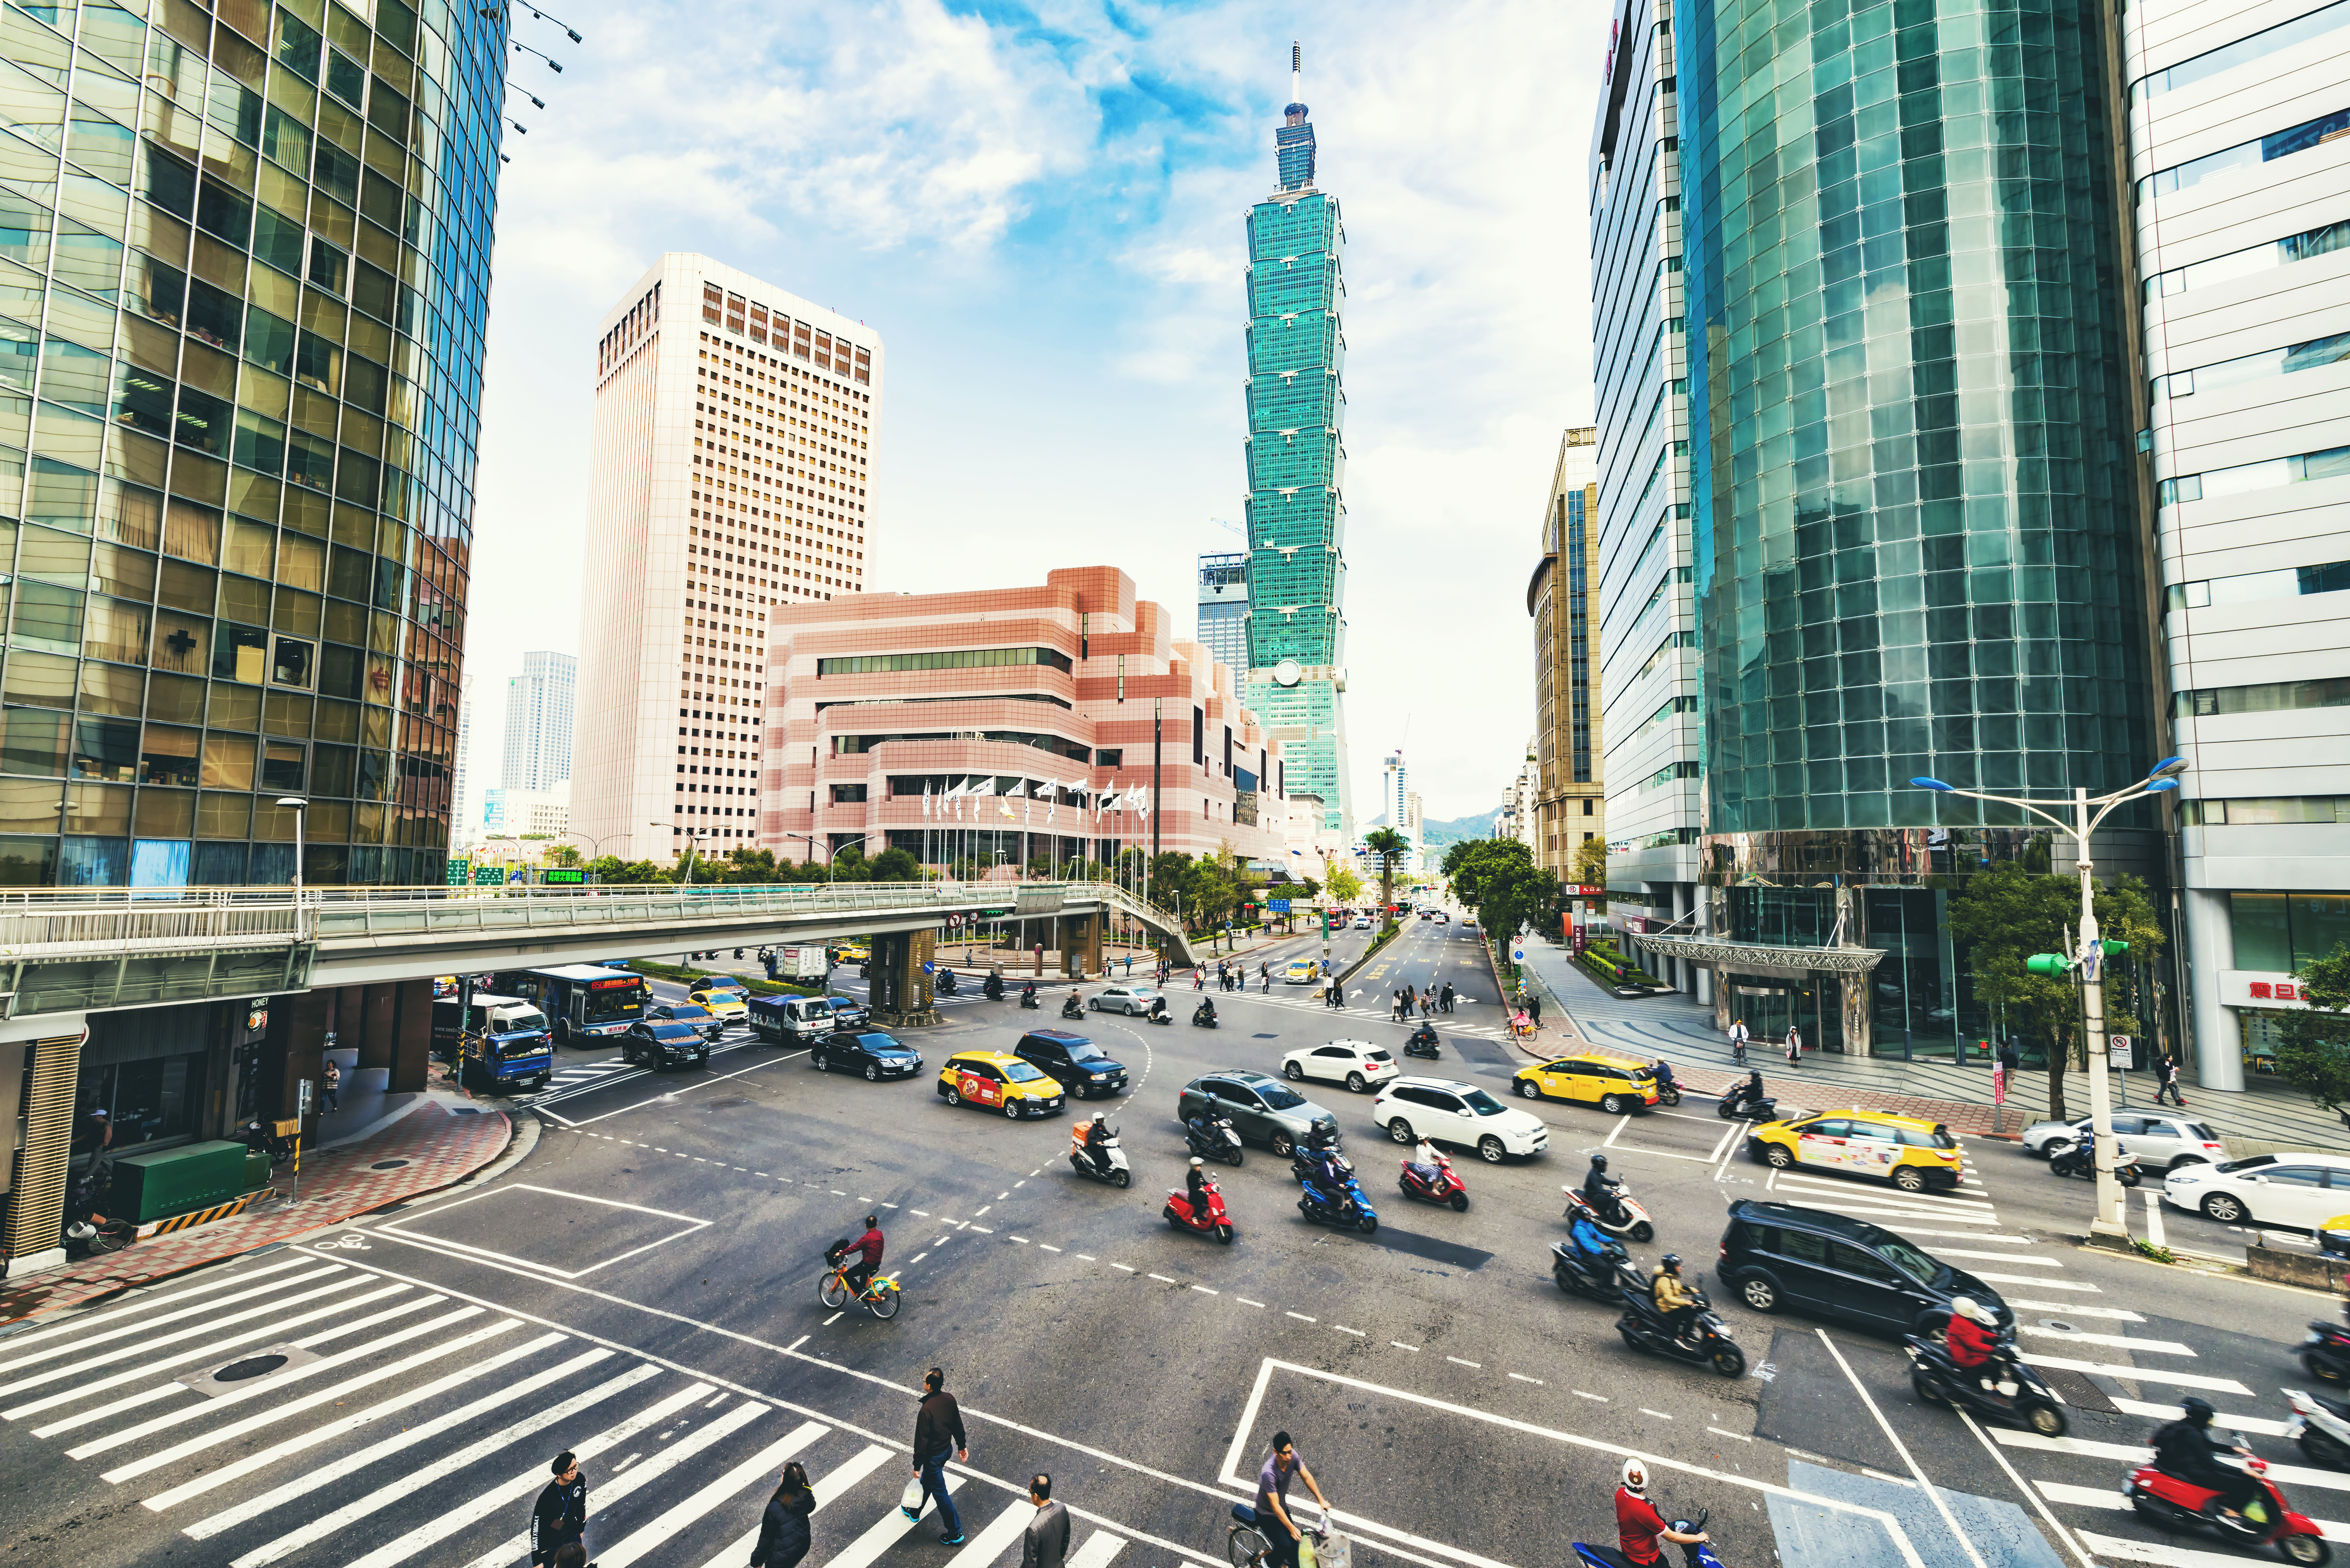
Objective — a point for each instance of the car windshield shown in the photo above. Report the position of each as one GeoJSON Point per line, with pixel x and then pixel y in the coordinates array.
{"type": "Point", "coordinates": [1376, 1056]}
{"type": "Point", "coordinates": [1907, 1259]}
{"type": "Point", "coordinates": [1086, 1050]}
{"type": "Point", "coordinates": [878, 1042]}
{"type": "Point", "coordinates": [1279, 1098]}
{"type": "Point", "coordinates": [1021, 1073]}
{"type": "Point", "coordinates": [1483, 1104]}
{"type": "Point", "coordinates": [673, 1032]}
{"type": "Point", "coordinates": [2252, 1164]}
{"type": "Point", "coordinates": [686, 1009]}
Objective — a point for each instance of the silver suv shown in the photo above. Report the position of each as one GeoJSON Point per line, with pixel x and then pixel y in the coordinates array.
{"type": "Point", "coordinates": [2160, 1142]}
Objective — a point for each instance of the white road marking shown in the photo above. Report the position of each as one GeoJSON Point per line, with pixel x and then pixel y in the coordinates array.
{"type": "Point", "coordinates": [1302, 1317]}
{"type": "Point", "coordinates": [1660, 1414]}
{"type": "Point", "coordinates": [1741, 1437]}
{"type": "Point", "coordinates": [2161, 1552]}
{"type": "Point", "coordinates": [2036, 1282]}
{"type": "Point", "coordinates": [2118, 1341]}
{"type": "Point", "coordinates": [2225, 1422]}
{"type": "Point", "coordinates": [1358, 1332]}
{"type": "Point", "coordinates": [2139, 1373]}
{"type": "Point", "coordinates": [1523, 1378]}
{"type": "Point", "coordinates": [1601, 1398]}
{"type": "Point", "coordinates": [1940, 1506]}
{"type": "Point", "coordinates": [1458, 1361]}
{"type": "Point", "coordinates": [2071, 1309]}
{"type": "Point", "coordinates": [1399, 1344]}
{"type": "Point", "coordinates": [1098, 1549]}
{"type": "Point", "coordinates": [1164, 1280]}
{"type": "Point", "coordinates": [1242, 1299]}
{"type": "Point", "coordinates": [748, 1474]}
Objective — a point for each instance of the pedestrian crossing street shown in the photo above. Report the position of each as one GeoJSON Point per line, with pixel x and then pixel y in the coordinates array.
{"type": "Point", "coordinates": [360, 1421]}
{"type": "Point", "coordinates": [2069, 1325]}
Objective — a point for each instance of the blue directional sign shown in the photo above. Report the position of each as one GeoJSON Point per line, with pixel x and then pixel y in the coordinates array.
{"type": "Point", "coordinates": [1278, 906]}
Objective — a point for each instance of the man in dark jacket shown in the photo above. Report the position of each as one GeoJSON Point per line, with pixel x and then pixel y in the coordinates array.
{"type": "Point", "coordinates": [560, 1516]}
{"type": "Point", "coordinates": [2185, 1449]}
{"type": "Point", "coordinates": [938, 1432]}
{"type": "Point", "coordinates": [1046, 1542]}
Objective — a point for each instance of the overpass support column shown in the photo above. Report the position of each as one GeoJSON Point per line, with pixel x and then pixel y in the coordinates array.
{"type": "Point", "coordinates": [46, 1070]}
{"type": "Point", "coordinates": [901, 987]}
{"type": "Point", "coordinates": [1080, 939]}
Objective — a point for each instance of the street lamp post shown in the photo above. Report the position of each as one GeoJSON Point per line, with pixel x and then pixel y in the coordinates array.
{"type": "Point", "coordinates": [2089, 960]}
{"type": "Point", "coordinates": [692, 846]}
{"type": "Point", "coordinates": [299, 805]}
{"type": "Point", "coordinates": [830, 850]}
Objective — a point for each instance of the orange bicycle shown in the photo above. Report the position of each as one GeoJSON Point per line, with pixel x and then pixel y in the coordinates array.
{"type": "Point", "coordinates": [881, 1296]}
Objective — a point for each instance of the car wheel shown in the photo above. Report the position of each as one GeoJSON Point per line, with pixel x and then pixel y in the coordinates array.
{"type": "Point", "coordinates": [872, 1075]}
{"type": "Point", "coordinates": [1776, 1156]}
{"type": "Point", "coordinates": [1093, 1004]}
{"type": "Point", "coordinates": [1612, 1104]}
{"type": "Point", "coordinates": [1354, 1083]}
{"type": "Point", "coordinates": [820, 1062]}
{"type": "Point", "coordinates": [1909, 1179]}
{"type": "Point", "coordinates": [1757, 1292]}
{"type": "Point", "coordinates": [954, 1097]}
{"type": "Point", "coordinates": [2224, 1207]}
{"type": "Point", "coordinates": [1400, 1131]}
{"type": "Point", "coordinates": [1528, 1089]}
{"type": "Point", "coordinates": [1292, 1072]}
{"type": "Point", "coordinates": [1012, 1110]}
{"type": "Point", "coordinates": [2184, 1160]}
{"type": "Point", "coordinates": [1284, 1145]}
{"type": "Point", "coordinates": [1490, 1150]}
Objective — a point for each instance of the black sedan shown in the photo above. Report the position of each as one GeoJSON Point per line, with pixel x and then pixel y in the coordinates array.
{"type": "Point", "coordinates": [704, 1021]}
{"type": "Point", "coordinates": [658, 1042]}
{"type": "Point", "coordinates": [876, 1056]}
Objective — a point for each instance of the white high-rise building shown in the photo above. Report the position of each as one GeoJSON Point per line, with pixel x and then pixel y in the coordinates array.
{"type": "Point", "coordinates": [465, 781]}
{"type": "Point", "coordinates": [538, 722]}
{"type": "Point", "coordinates": [2237, 123]}
{"type": "Point", "coordinates": [733, 445]}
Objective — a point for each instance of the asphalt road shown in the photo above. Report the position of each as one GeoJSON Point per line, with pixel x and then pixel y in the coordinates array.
{"type": "Point", "coordinates": [641, 1288]}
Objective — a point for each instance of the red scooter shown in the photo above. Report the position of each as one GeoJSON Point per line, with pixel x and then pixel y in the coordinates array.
{"type": "Point", "coordinates": [1214, 1222]}
{"type": "Point", "coordinates": [2170, 1504]}
{"type": "Point", "coordinates": [1434, 1183]}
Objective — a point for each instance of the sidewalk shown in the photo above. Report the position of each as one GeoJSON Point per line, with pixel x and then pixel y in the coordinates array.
{"type": "Point", "coordinates": [1578, 1012]}
{"type": "Point", "coordinates": [428, 1141]}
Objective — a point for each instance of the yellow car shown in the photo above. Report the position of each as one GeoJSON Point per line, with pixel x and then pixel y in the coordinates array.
{"type": "Point", "coordinates": [996, 1082]}
{"type": "Point", "coordinates": [723, 1004]}
{"type": "Point", "coordinates": [1617, 1085]}
{"type": "Point", "coordinates": [854, 953]}
{"type": "Point", "coordinates": [1912, 1155]}
{"type": "Point", "coordinates": [1301, 972]}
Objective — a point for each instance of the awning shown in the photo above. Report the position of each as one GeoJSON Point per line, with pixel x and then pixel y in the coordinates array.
{"type": "Point", "coordinates": [1754, 958]}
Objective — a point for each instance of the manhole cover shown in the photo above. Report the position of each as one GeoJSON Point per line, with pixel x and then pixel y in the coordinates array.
{"type": "Point", "coordinates": [2059, 1324]}
{"type": "Point", "coordinates": [250, 1366]}
{"type": "Point", "coordinates": [387, 1165]}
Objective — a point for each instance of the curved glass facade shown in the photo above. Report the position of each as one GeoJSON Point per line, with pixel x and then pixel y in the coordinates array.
{"type": "Point", "coordinates": [244, 282]}
{"type": "Point", "coordinates": [1912, 480]}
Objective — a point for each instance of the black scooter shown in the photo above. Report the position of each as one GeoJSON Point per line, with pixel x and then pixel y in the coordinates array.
{"type": "Point", "coordinates": [1202, 1019]}
{"type": "Point", "coordinates": [992, 988]}
{"type": "Point", "coordinates": [1743, 1109]}
{"type": "Point", "coordinates": [2019, 1394]}
{"type": "Point", "coordinates": [1070, 1008]}
{"type": "Point", "coordinates": [2326, 1353]}
{"type": "Point", "coordinates": [946, 984]}
{"type": "Point", "coordinates": [1579, 1277]}
{"type": "Point", "coordinates": [1643, 1328]}
{"type": "Point", "coordinates": [2069, 1157]}
{"type": "Point", "coordinates": [1668, 1091]}
{"type": "Point", "coordinates": [1212, 1137]}
{"type": "Point", "coordinates": [1028, 996]}
{"type": "Point", "coordinates": [1422, 1042]}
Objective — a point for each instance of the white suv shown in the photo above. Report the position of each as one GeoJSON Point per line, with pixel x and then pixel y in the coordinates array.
{"type": "Point", "coordinates": [1358, 1064]}
{"type": "Point", "coordinates": [1445, 1111]}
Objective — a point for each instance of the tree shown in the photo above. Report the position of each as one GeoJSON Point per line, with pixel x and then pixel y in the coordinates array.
{"type": "Point", "coordinates": [1387, 844]}
{"type": "Point", "coordinates": [1345, 886]}
{"type": "Point", "coordinates": [2314, 1047]}
{"type": "Point", "coordinates": [1591, 863]}
{"type": "Point", "coordinates": [896, 865]}
{"type": "Point", "coordinates": [563, 855]}
{"type": "Point", "coordinates": [1497, 877]}
{"type": "Point", "coordinates": [613, 870]}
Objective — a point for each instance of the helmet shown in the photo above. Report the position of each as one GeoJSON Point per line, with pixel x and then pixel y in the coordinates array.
{"type": "Point", "coordinates": [1599, 1162]}
{"type": "Point", "coordinates": [1962, 1306]}
{"type": "Point", "coordinates": [1197, 1163]}
{"type": "Point", "coordinates": [1100, 1116]}
{"type": "Point", "coordinates": [1635, 1477]}
{"type": "Point", "coordinates": [2198, 1411]}
{"type": "Point", "coordinates": [1671, 1262]}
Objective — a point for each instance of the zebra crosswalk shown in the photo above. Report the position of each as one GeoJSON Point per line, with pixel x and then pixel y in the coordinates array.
{"type": "Point", "coordinates": [366, 1422]}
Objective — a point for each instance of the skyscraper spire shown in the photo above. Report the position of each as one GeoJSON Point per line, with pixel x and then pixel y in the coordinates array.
{"type": "Point", "coordinates": [1294, 142]}
{"type": "Point", "coordinates": [1297, 71]}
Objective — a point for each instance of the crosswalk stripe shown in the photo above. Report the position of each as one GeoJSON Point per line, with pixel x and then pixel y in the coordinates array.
{"type": "Point", "coordinates": [760, 1464]}
{"type": "Point", "coordinates": [110, 1320]}
{"type": "Point", "coordinates": [994, 1538]}
{"type": "Point", "coordinates": [2013, 1260]}
{"type": "Point", "coordinates": [1944, 1208]}
{"type": "Point", "coordinates": [2109, 1315]}
{"type": "Point", "coordinates": [827, 1487]}
{"type": "Point", "coordinates": [205, 1352]}
{"type": "Point", "coordinates": [2082, 1496]}
{"type": "Point", "coordinates": [360, 1462]}
{"type": "Point", "coordinates": [885, 1533]}
{"type": "Point", "coordinates": [2118, 1341]}
{"type": "Point", "coordinates": [337, 1392]}
{"type": "Point", "coordinates": [2037, 1282]}
{"type": "Point", "coordinates": [1098, 1549]}
{"type": "Point", "coordinates": [351, 1513]}
{"type": "Point", "coordinates": [2139, 1373]}
{"type": "Point", "coordinates": [629, 1482]}
{"type": "Point", "coordinates": [2223, 1421]}
{"type": "Point", "coordinates": [175, 1387]}
{"type": "Point", "coordinates": [2123, 1550]}
{"type": "Point", "coordinates": [197, 1331]}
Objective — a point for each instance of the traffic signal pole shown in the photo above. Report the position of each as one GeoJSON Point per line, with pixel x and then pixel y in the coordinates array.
{"type": "Point", "coordinates": [2111, 1218]}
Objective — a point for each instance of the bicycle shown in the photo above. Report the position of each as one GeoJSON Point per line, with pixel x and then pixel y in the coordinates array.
{"type": "Point", "coordinates": [881, 1296]}
{"type": "Point", "coordinates": [1244, 1543]}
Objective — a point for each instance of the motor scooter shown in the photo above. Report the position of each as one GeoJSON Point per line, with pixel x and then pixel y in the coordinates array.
{"type": "Point", "coordinates": [1158, 1014]}
{"type": "Point", "coordinates": [1699, 1554]}
{"type": "Point", "coordinates": [1746, 1110]}
{"type": "Point", "coordinates": [1028, 996]}
{"type": "Point", "coordinates": [1606, 1282]}
{"type": "Point", "coordinates": [1668, 1091]}
{"type": "Point", "coordinates": [1214, 1222]}
{"type": "Point", "coordinates": [1202, 1017]}
{"type": "Point", "coordinates": [946, 984]}
{"type": "Point", "coordinates": [1070, 1008]}
{"type": "Point", "coordinates": [2172, 1505]}
{"type": "Point", "coordinates": [1113, 1169]}
{"type": "Point", "coordinates": [1212, 1137]}
{"type": "Point", "coordinates": [1422, 1042]}
{"type": "Point", "coordinates": [2325, 1353]}
{"type": "Point", "coordinates": [992, 988]}
{"type": "Point", "coordinates": [2020, 1394]}
{"type": "Point", "coordinates": [2322, 1428]}
{"type": "Point", "coordinates": [1643, 1328]}
{"type": "Point", "coordinates": [1437, 1183]}
{"type": "Point", "coordinates": [2067, 1156]}
{"type": "Point", "coordinates": [1616, 1212]}
{"type": "Point", "coordinates": [1325, 1201]}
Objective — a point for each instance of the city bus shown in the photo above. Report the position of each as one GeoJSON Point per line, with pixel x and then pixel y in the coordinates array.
{"type": "Point", "coordinates": [584, 1002]}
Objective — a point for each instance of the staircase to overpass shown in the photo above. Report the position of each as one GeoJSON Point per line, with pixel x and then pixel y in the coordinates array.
{"type": "Point", "coordinates": [68, 950]}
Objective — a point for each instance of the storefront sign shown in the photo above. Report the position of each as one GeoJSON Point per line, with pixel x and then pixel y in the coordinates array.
{"type": "Point", "coordinates": [2250, 988]}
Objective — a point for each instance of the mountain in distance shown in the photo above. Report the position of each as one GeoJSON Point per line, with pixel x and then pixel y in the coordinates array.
{"type": "Point", "coordinates": [1458, 830]}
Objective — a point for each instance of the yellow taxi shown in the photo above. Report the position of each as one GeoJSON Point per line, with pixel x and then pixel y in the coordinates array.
{"type": "Point", "coordinates": [996, 1082]}
{"type": "Point", "coordinates": [1911, 1154]}
{"type": "Point", "coordinates": [854, 953]}
{"type": "Point", "coordinates": [725, 1003]}
{"type": "Point", "coordinates": [1617, 1085]}
{"type": "Point", "coordinates": [1301, 972]}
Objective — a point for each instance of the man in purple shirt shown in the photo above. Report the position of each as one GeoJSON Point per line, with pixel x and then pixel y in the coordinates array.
{"type": "Point", "coordinates": [1272, 1518]}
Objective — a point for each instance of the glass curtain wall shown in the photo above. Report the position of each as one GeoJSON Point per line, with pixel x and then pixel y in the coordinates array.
{"type": "Point", "coordinates": [244, 279]}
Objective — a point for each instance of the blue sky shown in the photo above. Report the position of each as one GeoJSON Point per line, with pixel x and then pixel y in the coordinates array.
{"type": "Point", "coordinates": [1040, 209]}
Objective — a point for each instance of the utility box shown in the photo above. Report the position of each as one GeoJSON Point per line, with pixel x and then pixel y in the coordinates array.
{"type": "Point", "coordinates": [177, 1181]}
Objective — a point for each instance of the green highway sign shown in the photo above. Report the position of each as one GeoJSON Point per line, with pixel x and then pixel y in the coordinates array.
{"type": "Point", "coordinates": [489, 876]}
{"type": "Point", "coordinates": [460, 872]}
{"type": "Point", "coordinates": [559, 875]}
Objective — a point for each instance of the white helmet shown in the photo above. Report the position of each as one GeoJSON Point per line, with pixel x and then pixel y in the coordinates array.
{"type": "Point", "coordinates": [1198, 1164]}
{"type": "Point", "coordinates": [1100, 1116]}
{"type": "Point", "coordinates": [1967, 1307]}
{"type": "Point", "coordinates": [1636, 1476]}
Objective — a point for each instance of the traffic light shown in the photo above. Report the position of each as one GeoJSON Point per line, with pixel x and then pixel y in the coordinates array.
{"type": "Point", "coordinates": [2048, 963]}
{"type": "Point", "coordinates": [2114, 948]}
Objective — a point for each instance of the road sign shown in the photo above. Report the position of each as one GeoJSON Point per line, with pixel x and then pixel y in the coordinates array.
{"type": "Point", "coordinates": [1278, 906]}
{"type": "Point", "coordinates": [1998, 1084]}
{"type": "Point", "coordinates": [489, 876]}
{"type": "Point", "coordinates": [2117, 1051]}
{"type": "Point", "coordinates": [928, 968]}
{"type": "Point", "coordinates": [460, 872]}
{"type": "Point", "coordinates": [558, 874]}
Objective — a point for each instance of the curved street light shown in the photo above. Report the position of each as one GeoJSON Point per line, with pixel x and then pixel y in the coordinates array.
{"type": "Point", "coordinates": [2089, 957]}
{"type": "Point", "coordinates": [831, 851]}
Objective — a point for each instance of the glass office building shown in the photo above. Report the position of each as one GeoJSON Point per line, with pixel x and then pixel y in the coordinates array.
{"type": "Point", "coordinates": [244, 282]}
{"type": "Point", "coordinates": [1914, 498]}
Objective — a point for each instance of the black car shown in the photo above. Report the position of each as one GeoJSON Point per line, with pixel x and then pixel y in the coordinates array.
{"type": "Point", "coordinates": [1780, 1255]}
{"type": "Point", "coordinates": [704, 1022]}
{"type": "Point", "coordinates": [848, 1012]}
{"type": "Point", "coordinates": [658, 1042]}
{"type": "Point", "coordinates": [877, 1056]}
{"type": "Point", "coordinates": [1076, 1062]}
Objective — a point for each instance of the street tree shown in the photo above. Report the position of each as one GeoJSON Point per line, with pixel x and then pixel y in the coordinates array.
{"type": "Point", "coordinates": [1497, 877]}
{"type": "Point", "coordinates": [896, 865]}
{"type": "Point", "coordinates": [1390, 845]}
{"type": "Point", "coordinates": [2314, 1045]}
{"type": "Point", "coordinates": [1591, 863]}
{"type": "Point", "coordinates": [1346, 887]}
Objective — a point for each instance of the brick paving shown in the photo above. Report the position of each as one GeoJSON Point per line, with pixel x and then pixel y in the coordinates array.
{"type": "Point", "coordinates": [428, 1148]}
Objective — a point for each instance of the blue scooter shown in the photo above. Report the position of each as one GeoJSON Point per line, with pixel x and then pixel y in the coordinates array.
{"type": "Point", "coordinates": [1698, 1555]}
{"type": "Point", "coordinates": [1333, 1197]}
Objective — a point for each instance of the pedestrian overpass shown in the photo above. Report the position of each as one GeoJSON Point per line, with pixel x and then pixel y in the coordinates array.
{"type": "Point", "coordinates": [73, 951]}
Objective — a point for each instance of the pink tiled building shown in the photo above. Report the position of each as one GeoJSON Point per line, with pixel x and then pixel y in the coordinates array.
{"type": "Point", "coordinates": [1009, 726]}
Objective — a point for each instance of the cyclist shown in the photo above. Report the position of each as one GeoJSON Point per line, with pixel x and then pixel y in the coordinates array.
{"type": "Point", "coordinates": [1272, 1521]}
{"type": "Point", "coordinates": [860, 1274]}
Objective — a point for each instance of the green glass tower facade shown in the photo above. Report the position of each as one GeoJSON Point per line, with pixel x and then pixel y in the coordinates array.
{"type": "Point", "coordinates": [1296, 462]}
{"type": "Point", "coordinates": [243, 282]}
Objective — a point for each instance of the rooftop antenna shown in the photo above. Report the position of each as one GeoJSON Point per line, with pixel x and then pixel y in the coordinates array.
{"type": "Point", "coordinates": [1297, 71]}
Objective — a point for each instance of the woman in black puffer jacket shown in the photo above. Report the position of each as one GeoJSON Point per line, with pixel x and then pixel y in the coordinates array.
{"type": "Point", "coordinates": [784, 1527]}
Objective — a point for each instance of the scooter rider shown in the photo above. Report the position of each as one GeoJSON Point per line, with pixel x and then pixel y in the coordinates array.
{"type": "Point", "coordinates": [1639, 1528]}
{"type": "Point", "coordinates": [1749, 1093]}
{"type": "Point", "coordinates": [1591, 1243]}
{"type": "Point", "coordinates": [860, 1274]}
{"type": "Point", "coordinates": [1157, 1009]}
{"type": "Point", "coordinates": [1196, 1184]}
{"type": "Point", "coordinates": [1423, 1162]}
{"type": "Point", "coordinates": [1972, 1336]}
{"type": "Point", "coordinates": [1673, 1300]}
{"type": "Point", "coordinates": [1664, 1076]}
{"type": "Point", "coordinates": [2186, 1449]}
{"type": "Point", "coordinates": [1206, 1010]}
{"type": "Point", "coordinates": [1598, 1191]}
{"type": "Point", "coordinates": [1074, 1007]}
{"type": "Point", "coordinates": [1097, 1137]}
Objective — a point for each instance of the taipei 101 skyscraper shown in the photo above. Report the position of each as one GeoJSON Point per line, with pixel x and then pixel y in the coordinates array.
{"type": "Point", "coordinates": [1296, 461]}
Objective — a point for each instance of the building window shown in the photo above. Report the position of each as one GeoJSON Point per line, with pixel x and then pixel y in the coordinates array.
{"type": "Point", "coordinates": [2283, 934]}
